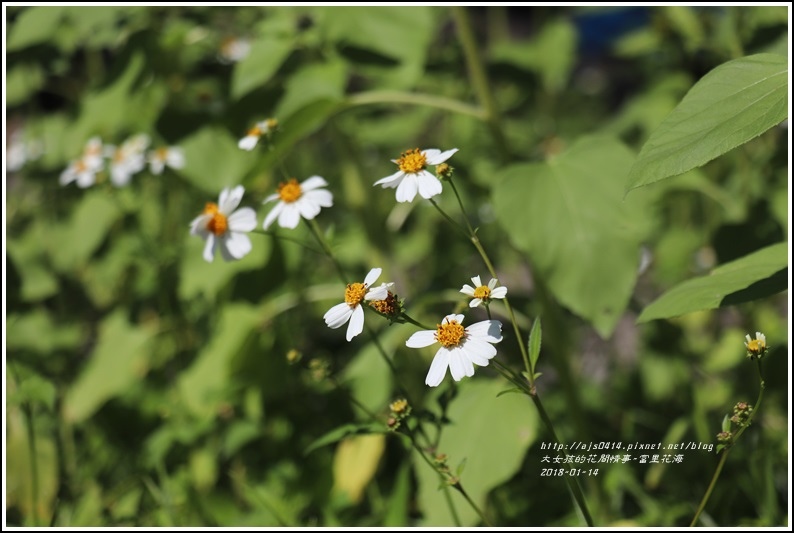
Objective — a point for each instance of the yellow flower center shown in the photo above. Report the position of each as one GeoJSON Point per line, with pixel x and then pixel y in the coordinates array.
{"type": "Point", "coordinates": [398, 406]}
{"type": "Point", "coordinates": [482, 292]}
{"type": "Point", "coordinates": [254, 132]}
{"type": "Point", "coordinates": [289, 191]}
{"type": "Point", "coordinates": [161, 153]}
{"type": "Point", "coordinates": [450, 333]}
{"type": "Point", "coordinates": [354, 293]}
{"type": "Point", "coordinates": [387, 306]}
{"type": "Point", "coordinates": [412, 161]}
{"type": "Point", "coordinates": [80, 166]}
{"type": "Point", "coordinates": [217, 223]}
{"type": "Point", "coordinates": [756, 345]}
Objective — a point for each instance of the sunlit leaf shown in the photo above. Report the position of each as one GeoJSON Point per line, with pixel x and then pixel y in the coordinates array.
{"type": "Point", "coordinates": [118, 360]}
{"type": "Point", "coordinates": [492, 434]}
{"type": "Point", "coordinates": [263, 61]}
{"type": "Point", "coordinates": [569, 216]}
{"type": "Point", "coordinates": [355, 462]}
{"type": "Point", "coordinates": [766, 268]}
{"type": "Point", "coordinates": [735, 102]}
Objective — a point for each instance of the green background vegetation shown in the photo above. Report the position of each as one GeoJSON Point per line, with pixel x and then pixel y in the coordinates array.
{"type": "Point", "coordinates": [146, 387]}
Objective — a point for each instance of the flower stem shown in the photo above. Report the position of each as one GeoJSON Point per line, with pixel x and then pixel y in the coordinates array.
{"type": "Point", "coordinates": [478, 77]}
{"type": "Point", "coordinates": [414, 322]}
{"type": "Point", "coordinates": [330, 253]}
{"type": "Point", "coordinates": [400, 97]}
{"type": "Point", "coordinates": [726, 451]}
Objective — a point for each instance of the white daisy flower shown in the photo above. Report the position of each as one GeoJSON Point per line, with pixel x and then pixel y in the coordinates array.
{"type": "Point", "coordinates": [234, 49]}
{"type": "Point", "coordinates": [167, 156]}
{"type": "Point", "coordinates": [127, 159]}
{"type": "Point", "coordinates": [413, 176]}
{"type": "Point", "coordinates": [298, 200]}
{"type": "Point", "coordinates": [225, 228]}
{"type": "Point", "coordinates": [351, 309]}
{"type": "Point", "coordinates": [461, 348]}
{"type": "Point", "coordinates": [84, 170]}
{"type": "Point", "coordinates": [482, 293]}
{"type": "Point", "coordinates": [252, 137]}
{"type": "Point", "coordinates": [756, 347]}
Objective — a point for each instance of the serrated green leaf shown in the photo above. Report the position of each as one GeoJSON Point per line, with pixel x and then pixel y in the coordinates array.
{"type": "Point", "coordinates": [118, 360]}
{"type": "Point", "coordinates": [335, 435]}
{"type": "Point", "coordinates": [761, 273]}
{"type": "Point", "coordinates": [263, 61]}
{"type": "Point", "coordinates": [493, 433]}
{"type": "Point", "coordinates": [535, 338]}
{"type": "Point", "coordinates": [569, 212]}
{"type": "Point", "coordinates": [735, 102]}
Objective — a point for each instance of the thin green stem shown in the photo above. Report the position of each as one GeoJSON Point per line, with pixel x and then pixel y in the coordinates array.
{"type": "Point", "coordinates": [319, 236]}
{"type": "Point", "coordinates": [451, 505]}
{"type": "Point", "coordinates": [429, 100]}
{"type": "Point", "coordinates": [727, 450]}
{"type": "Point", "coordinates": [457, 486]}
{"type": "Point", "coordinates": [478, 76]}
{"type": "Point", "coordinates": [414, 322]}
{"type": "Point", "coordinates": [299, 242]}
{"type": "Point", "coordinates": [450, 219]}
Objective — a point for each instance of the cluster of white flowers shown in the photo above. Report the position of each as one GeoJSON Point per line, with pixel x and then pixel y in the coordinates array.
{"type": "Point", "coordinates": [125, 161]}
{"type": "Point", "coordinates": [21, 150]}
{"type": "Point", "coordinates": [224, 227]}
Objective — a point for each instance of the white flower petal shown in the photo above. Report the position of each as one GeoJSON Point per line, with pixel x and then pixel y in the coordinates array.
{"type": "Point", "coordinates": [475, 302]}
{"type": "Point", "coordinates": [356, 325]}
{"type": "Point", "coordinates": [479, 351]}
{"type": "Point", "coordinates": [476, 281]}
{"type": "Point", "coordinates": [406, 190]}
{"type": "Point", "coordinates": [377, 293]}
{"type": "Point", "coordinates": [492, 283]}
{"type": "Point", "coordinates": [748, 337]}
{"type": "Point", "coordinates": [487, 330]}
{"type": "Point", "coordinates": [209, 248]}
{"type": "Point", "coordinates": [499, 292]}
{"type": "Point", "coordinates": [199, 225]}
{"type": "Point", "coordinates": [431, 153]}
{"type": "Point", "coordinates": [372, 276]}
{"type": "Point", "coordinates": [244, 219]}
{"type": "Point", "coordinates": [456, 365]}
{"type": "Point", "coordinates": [86, 179]}
{"type": "Point", "coordinates": [420, 339]}
{"type": "Point", "coordinates": [466, 360]}
{"type": "Point", "coordinates": [289, 217]}
{"type": "Point", "coordinates": [236, 244]}
{"type": "Point", "coordinates": [175, 158]}
{"type": "Point", "coordinates": [274, 213]}
{"type": "Point", "coordinates": [271, 197]}
{"type": "Point", "coordinates": [307, 208]}
{"type": "Point", "coordinates": [322, 198]}
{"type": "Point", "coordinates": [436, 158]}
{"type": "Point", "coordinates": [468, 290]}
{"type": "Point", "coordinates": [428, 184]}
{"type": "Point", "coordinates": [449, 318]}
{"type": "Point", "coordinates": [438, 368]}
{"type": "Point", "coordinates": [391, 181]}
{"type": "Point", "coordinates": [229, 202]}
{"type": "Point", "coordinates": [248, 142]}
{"type": "Point", "coordinates": [315, 182]}
{"type": "Point", "coordinates": [156, 166]}
{"type": "Point", "coordinates": [338, 315]}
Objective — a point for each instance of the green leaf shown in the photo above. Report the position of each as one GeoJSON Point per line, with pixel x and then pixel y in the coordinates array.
{"type": "Point", "coordinates": [568, 213]}
{"type": "Point", "coordinates": [25, 333]}
{"type": "Point", "coordinates": [319, 81]}
{"type": "Point", "coordinates": [203, 385]}
{"type": "Point", "coordinates": [118, 360]}
{"type": "Point", "coordinates": [551, 53]}
{"type": "Point", "coordinates": [398, 503]}
{"type": "Point", "coordinates": [492, 433]}
{"type": "Point", "coordinates": [535, 337]}
{"type": "Point", "coordinates": [753, 276]}
{"type": "Point", "coordinates": [33, 26]}
{"type": "Point", "coordinates": [335, 435]}
{"type": "Point", "coordinates": [266, 56]}
{"type": "Point", "coordinates": [80, 237]}
{"type": "Point", "coordinates": [21, 81]}
{"type": "Point", "coordinates": [368, 375]}
{"type": "Point", "coordinates": [510, 391]}
{"type": "Point", "coordinates": [213, 160]}
{"type": "Point", "coordinates": [732, 104]}
{"type": "Point", "coordinates": [726, 423]}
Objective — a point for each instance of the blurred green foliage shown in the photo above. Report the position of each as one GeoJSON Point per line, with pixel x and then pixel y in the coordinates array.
{"type": "Point", "coordinates": [146, 387]}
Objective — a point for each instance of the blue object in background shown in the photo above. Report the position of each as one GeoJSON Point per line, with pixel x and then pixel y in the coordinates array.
{"type": "Point", "coordinates": [599, 29]}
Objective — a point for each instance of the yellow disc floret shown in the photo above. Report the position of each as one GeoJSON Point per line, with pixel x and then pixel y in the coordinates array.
{"type": "Point", "coordinates": [354, 293]}
{"type": "Point", "coordinates": [289, 191]}
{"type": "Point", "coordinates": [256, 131]}
{"type": "Point", "coordinates": [450, 333]}
{"type": "Point", "coordinates": [217, 223]}
{"type": "Point", "coordinates": [412, 161]}
{"type": "Point", "coordinates": [482, 292]}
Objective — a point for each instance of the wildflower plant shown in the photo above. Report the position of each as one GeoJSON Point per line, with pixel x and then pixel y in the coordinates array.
{"type": "Point", "coordinates": [457, 336]}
